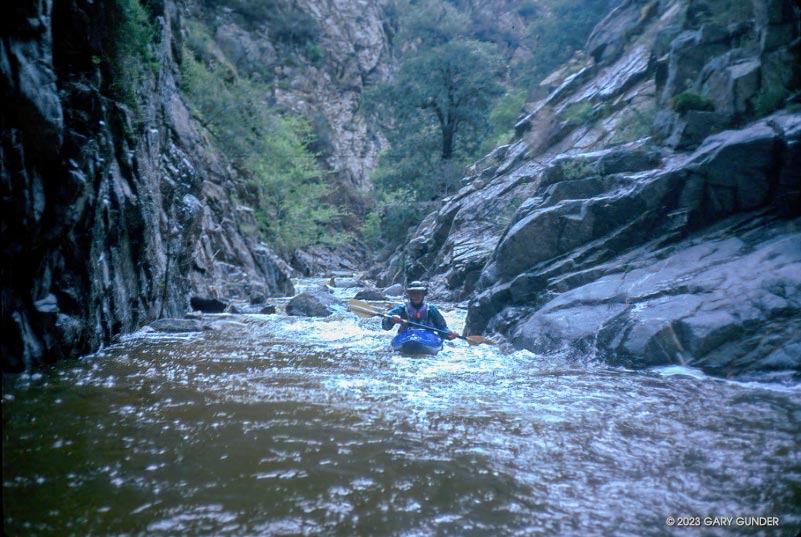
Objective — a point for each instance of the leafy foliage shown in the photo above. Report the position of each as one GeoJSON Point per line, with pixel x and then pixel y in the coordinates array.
{"type": "Point", "coordinates": [430, 23]}
{"type": "Point", "coordinates": [269, 150]}
{"type": "Point", "coordinates": [503, 116]}
{"type": "Point", "coordinates": [451, 86]}
{"type": "Point", "coordinates": [769, 99]}
{"type": "Point", "coordinates": [131, 48]}
{"type": "Point", "coordinates": [558, 37]}
{"type": "Point", "coordinates": [687, 100]}
{"type": "Point", "coordinates": [287, 23]}
{"type": "Point", "coordinates": [580, 113]}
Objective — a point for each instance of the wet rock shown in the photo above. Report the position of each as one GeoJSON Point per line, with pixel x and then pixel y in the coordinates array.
{"type": "Point", "coordinates": [616, 79]}
{"type": "Point", "coordinates": [48, 304]}
{"type": "Point", "coordinates": [314, 303]}
{"type": "Point", "coordinates": [691, 51]}
{"type": "Point", "coordinates": [735, 293]}
{"type": "Point", "coordinates": [344, 282]}
{"type": "Point", "coordinates": [692, 128]}
{"type": "Point", "coordinates": [394, 290]}
{"type": "Point", "coordinates": [207, 305]}
{"type": "Point", "coordinates": [627, 251]}
{"type": "Point", "coordinates": [257, 299]}
{"type": "Point", "coordinates": [130, 211]}
{"type": "Point", "coordinates": [371, 294]}
{"type": "Point", "coordinates": [608, 39]}
{"type": "Point", "coordinates": [177, 325]}
{"type": "Point", "coordinates": [788, 192]}
{"type": "Point", "coordinates": [731, 81]}
{"type": "Point", "coordinates": [739, 167]}
{"type": "Point", "coordinates": [268, 310]}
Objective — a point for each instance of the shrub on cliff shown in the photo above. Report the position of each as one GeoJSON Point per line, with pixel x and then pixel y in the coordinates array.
{"type": "Point", "coordinates": [270, 151]}
{"type": "Point", "coordinates": [285, 21]}
{"type": "Point", "coordinates": [687, 100]}
{"type": "Point", "coordinates": [130, 46]}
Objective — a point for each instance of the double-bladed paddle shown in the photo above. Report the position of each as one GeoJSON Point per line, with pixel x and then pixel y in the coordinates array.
{"type": "Point", "coordinates": [365, 310]}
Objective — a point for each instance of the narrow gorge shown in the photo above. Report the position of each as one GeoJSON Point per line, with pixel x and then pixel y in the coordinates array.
{"type": "Point", "coordinates": [212, 211]}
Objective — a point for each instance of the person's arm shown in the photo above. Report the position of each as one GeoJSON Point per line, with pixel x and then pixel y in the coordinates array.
{"type": "Point", "coordinates": [439, 322]}
{"type": "Point", "coordinates": [387, 323]}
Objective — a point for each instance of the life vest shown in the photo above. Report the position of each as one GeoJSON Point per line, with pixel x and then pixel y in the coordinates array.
{"type": "Point", "coordinates": [417, 315]}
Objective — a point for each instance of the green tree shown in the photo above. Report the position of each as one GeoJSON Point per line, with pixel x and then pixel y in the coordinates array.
{"type": "Point", "coordinates": [439, 105]}
{"type": "Point", "coordinates": [428, 23]}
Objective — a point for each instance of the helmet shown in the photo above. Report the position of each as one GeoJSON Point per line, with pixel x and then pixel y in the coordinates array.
{"type": "Point", "coordinates": [417, 285]}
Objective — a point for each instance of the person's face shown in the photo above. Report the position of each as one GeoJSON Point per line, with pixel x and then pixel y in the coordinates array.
{"type": "Point", "coordinates": [416, 297]}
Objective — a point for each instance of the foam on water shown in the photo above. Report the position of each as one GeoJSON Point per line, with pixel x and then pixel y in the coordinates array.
{"type": "Point", "coordinates": [271, 424]}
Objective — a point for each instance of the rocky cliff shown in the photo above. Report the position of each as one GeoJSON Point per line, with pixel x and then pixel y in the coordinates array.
{"type": "Point", "coordinates": [112, 215]}
{"type": "Point", "coordinates": [647, 211]}
{"type": "Point", "coordinates": [317, 58]}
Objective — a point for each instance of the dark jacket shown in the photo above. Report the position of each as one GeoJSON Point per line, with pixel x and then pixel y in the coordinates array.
{"type": "Point", "coordinates": [429, 316]}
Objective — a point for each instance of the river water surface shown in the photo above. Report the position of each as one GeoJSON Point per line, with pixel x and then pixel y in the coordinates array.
{"type": "Point", "coordinates": [277, 425]}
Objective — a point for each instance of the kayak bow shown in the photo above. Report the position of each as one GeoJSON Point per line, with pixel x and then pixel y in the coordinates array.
{"type": "Point", "coordinates": [415, 342]}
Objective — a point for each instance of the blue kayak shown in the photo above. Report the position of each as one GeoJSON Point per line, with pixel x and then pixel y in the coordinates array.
{"type": "Point", "coordinates": [416, 342]}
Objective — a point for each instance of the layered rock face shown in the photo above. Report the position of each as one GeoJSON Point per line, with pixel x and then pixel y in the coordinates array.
{"type": "Point", "coordinates": [111, 217]}
{"type": "Point", "coordinates": [648, 210]}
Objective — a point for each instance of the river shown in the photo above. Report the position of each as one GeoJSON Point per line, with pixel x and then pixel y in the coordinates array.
{"type": "Point", "coordinates": [278, 425]}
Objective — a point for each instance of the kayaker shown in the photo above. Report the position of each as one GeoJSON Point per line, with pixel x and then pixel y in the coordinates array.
{"type": "Point", "coordinates": [417, 310]}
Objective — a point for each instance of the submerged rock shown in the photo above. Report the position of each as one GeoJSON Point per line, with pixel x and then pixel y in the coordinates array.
{"type": "Point", "coordinates": [177, 325]}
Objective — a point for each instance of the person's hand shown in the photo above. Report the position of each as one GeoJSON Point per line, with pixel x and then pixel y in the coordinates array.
{"type": "Point", "coordinates": [453, 335]}
{"type": "Point", "coordinates": [396, 319]}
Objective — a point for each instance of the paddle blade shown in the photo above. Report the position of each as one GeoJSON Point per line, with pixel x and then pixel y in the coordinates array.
{"type": "Point", "coordinates": [362, 309]}
{"type": "Point", "coordinates": [478, 340]}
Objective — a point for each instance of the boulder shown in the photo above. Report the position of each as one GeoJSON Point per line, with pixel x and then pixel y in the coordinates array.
{"type": "Point", "coordinates": [371, 294]}
{"type": "Point", "coordinates": [317, 302]}
{"type": "Point", "coordinates": [692, 128]}
{"type": "Point", "coordinates": [207, 305]}
{"type": "Point", "coordinates": [731, 82]}
{"type": "Point", "coordinates": [394, 290]}
{"type": "Point", "coordinates": [739, 167]}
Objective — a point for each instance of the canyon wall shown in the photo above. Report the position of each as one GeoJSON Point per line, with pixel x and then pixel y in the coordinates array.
{"type": "Point", "coordinates": [113, 215]}
{"type": "Point", "coordinates": [647, 211]}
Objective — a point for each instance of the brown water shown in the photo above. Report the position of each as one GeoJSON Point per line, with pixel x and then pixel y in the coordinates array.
{"type": "Point", "coordinates": [272, 425]}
